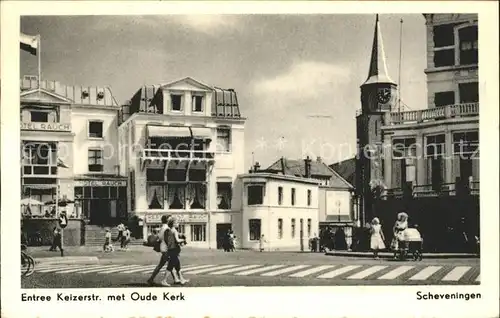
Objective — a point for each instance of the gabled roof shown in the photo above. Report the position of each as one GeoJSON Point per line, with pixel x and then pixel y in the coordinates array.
{"type": "Point", "coordinates": [43, 95]}
{"type": "Point", "coordinates": [318, 169]}
{"type": "Point", "coordinates": [189, 80]}
{"type": "Point", "coordinates": [346, 169]}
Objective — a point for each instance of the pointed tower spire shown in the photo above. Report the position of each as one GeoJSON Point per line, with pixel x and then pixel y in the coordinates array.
{"type": "Point", "coordinates": [378, 67]}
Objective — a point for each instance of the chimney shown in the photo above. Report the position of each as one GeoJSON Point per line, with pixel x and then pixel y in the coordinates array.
{"type": "Point", "coordinates": [318, 159]}
{"type": "Point", "coordinates": [307, 165]}
{"type": "Point", "coordinates": [256, 167]}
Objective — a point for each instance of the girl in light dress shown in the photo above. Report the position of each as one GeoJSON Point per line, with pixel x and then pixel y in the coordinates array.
{"type": "Point", "coordinates": [377, 237]}
{"type": "Point", "coordinates": [399, 227]}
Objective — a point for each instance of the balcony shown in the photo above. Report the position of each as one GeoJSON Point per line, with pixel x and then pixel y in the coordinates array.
{"type": "Point", "coordinates": [39, 170]}
{"type": "Point", "coordinates": [432, 114]}
{"type": "Point", "coordinates": [166, 155]}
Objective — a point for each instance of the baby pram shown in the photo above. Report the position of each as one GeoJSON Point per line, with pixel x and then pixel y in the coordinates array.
{"type": "Point", "coordinates": [410, 242]}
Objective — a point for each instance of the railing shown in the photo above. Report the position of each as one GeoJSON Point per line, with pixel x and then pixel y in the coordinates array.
{"type": "Point", "coordinates": [431, 114]}
{"type": "Point", "coordinates": [39, 170]}
{"type": "Point", "coordinates": [172, 154]}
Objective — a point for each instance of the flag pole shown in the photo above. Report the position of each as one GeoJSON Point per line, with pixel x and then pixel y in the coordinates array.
{"type": "Point", "coordinates": [399, 69]}
{"type": "Point", "coordinates": [39, 53]}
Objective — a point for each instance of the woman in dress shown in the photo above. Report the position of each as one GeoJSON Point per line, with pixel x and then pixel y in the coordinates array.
{"type": "Point", "coordinates": [399, 227]}
{"type": "Point", "coordinates": [377, 237]}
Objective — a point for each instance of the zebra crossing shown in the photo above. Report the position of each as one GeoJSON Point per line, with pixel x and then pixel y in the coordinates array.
{"type": "Point", "coordinates": [409, 273]}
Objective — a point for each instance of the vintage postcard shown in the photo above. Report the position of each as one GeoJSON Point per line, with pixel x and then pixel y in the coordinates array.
{"type": "Point", "coordinates": [155, 155]}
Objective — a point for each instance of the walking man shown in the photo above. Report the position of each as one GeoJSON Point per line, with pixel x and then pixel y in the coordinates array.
{"type": "Point", "coordinates": [163, 251]}
{"type": "Point", "coordinates": [174, 243]}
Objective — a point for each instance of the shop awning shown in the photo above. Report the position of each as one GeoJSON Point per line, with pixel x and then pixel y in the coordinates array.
{"type": "Point", "coordinates": [169, 131]}
{"type": "Point", "coordinates": [201, 133]}
{"type": "Point", "coordinates": [40, 186]}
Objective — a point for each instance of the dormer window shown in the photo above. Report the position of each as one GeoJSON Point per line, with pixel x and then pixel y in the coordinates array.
{"type": "Point", "coordinates": [176, 102]}
{"type": "Point", "coordinates": [197, 103]}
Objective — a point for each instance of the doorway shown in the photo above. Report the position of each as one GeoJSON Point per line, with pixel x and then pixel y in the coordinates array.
{"type": "Point", "coordinates": [222, 229]}
{"type": "Point", "coordinates": [99, 212]}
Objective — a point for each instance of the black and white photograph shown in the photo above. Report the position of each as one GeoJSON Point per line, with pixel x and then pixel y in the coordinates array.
{"type": "Point", "coordinates": [160, 153]}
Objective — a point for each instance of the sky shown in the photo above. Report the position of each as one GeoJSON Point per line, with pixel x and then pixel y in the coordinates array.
{"type": "Point", "coordinates": [297, 76]}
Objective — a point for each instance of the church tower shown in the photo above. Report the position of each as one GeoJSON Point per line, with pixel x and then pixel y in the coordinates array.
{"type": "Point", "coordinates": [378, 96]}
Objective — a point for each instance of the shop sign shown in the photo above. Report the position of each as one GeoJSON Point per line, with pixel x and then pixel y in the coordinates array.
{"type": "Point", "coordinates": [182, 218]}
{"type": "Point", "coordinates": [100, 183]}
{"type": "Point", "coordinates": [46, 126]}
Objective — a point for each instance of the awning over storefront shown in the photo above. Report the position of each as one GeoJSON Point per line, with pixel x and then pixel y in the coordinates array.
{"type": "Point", "coordinates": [40, 186]}
{"type": "Point", "coordinates": [169, 131]}
{"type": "Point", "coordinates": [201, 133]}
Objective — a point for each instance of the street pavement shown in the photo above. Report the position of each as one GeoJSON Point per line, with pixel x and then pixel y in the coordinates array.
{"type": "Point", "coordinates": [207, 268]}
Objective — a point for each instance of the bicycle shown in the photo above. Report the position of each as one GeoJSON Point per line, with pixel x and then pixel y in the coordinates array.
{"type": "Point", "coordinates": [27, 262]}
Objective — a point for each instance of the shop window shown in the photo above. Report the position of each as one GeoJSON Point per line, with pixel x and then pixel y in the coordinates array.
{"type": "Point", "coordinates": [255, 194]}
{"type": "Point", "coordinates": [444, 98]}
{"type": "Point", "coordinates": [39, 117]}
{"type": "Point", "coordinates": [197, 103]}
{"type": "Point", "coordinates": [309, 227]}
{"type": "Point", "coordinates": [468, 45]}
{"type": "Point", "coordinates": [198, 233]}
{"type": "Point", "coordinates": [254, 229]}
{"type": "Point", "coordinates": [95, 129]}
{"type": "Point", "coordinates": [155, 196]}
{"type": "Point", "coordinates": [293, 228]}
{"type": "Point", "coordinates": [176, 102]}
{"type": "Point", "coordinates": [224, 195]}
{"type": "Point", "coordinates": [95, 161]}
{"type": "Point", "coordinates": [223, 140]}
{"type": "Point", "coordinates": [469, 92]}
{"type": "Point", "coordinates": [293, 197]}
{"type": "Point", "coordinates": [309, 197]}
{"type": "Point", "coordinates": [280, 228]}
{"type": "Point", "coordinates": [280, 195]}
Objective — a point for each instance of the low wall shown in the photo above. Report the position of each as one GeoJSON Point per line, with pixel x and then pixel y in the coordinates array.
{"type": "Point", "coordinates": [40, 232]}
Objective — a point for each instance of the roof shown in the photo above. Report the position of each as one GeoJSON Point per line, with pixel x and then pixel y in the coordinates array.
{"type": "Point", "coordinates": [77, 94]}
{"type": "Point", "coordinates": [319, 169]}
{"type": "Point", "coordinates": [267, 175]}
{"type": "Point", "coordinates": [347, 169]}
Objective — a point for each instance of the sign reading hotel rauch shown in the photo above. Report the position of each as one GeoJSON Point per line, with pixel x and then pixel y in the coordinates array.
{"type": "Point", "coordinates": [46, 126]}
{"type": "Point", "coordinates": [100, 183]}
{"type": "Point", "coordinates": [181, 217]}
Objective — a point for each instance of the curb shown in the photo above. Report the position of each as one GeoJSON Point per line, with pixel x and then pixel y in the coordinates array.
{"type": "Point", "coordinates": [66, 260]}
{"type": "Point", "coordinates": [390, 255]}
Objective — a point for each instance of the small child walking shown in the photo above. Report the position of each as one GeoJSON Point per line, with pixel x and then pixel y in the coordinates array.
{"type": "Point", "coordinates": [107, 247]}
{"type": "Point", "coordinates": [262, 241]}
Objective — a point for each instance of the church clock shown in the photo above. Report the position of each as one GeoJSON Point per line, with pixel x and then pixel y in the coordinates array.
{"type": "Point", "coordinates": [384, 95]}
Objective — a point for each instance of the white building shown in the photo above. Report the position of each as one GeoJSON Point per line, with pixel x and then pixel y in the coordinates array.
{"type": "Point", "coordinates": [283, 208]}
{"type": "Point", "coordinates": [182, 147]}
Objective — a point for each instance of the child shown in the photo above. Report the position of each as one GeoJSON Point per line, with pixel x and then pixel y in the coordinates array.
{"type": "Point", "coordinates": [108, 247]}
{"type": "Point", "coordinates": [126, 237]}
{"type": "Point", "coordinates": [262, 241]}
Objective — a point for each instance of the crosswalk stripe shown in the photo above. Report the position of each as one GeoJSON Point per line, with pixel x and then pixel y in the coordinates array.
{"type": "Point", "coordinates": [78, 268]}
{"type": "Point", "coordinates": [206, 270]}
{"type": "Point", "coordinates": [456, 273]}
{"type": "Point", "coordinates": [425, 273]}
{"type": "Point", "coordinates": [339, 271]}
{"type": "Point", "coordinates": [396, 272]}
{"type": "Point", "coordinates": [85, 271]}
{"type": "Point", "coordinates": [259, 270]}
{"type": "Point", "coordinates": [367, 272]}
{"type": "Point", "coordinates": [41, 268]}
{"type": "Point", "coordinates": [232, 270]}
{"type": "Point", "coordinates": [284, 270]}
{"type": "Point", "coordinates": [311, 271]}
{"type": "Point", "coordinates": [119, 269]}
{"type": "Point", "coordinates": [478, 279]}
{"type": "Point", "coordinates": [143, 269]}
{"type": "Point", "coordinates": [56, 269]}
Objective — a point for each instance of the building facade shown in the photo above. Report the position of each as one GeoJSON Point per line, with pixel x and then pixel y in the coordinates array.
{"type": "Point", "coordinates": [428, 152]}
{"type": "Point", "coordinates": [182, 147]}
{"type": "Point", "coordinates": [280, 209]}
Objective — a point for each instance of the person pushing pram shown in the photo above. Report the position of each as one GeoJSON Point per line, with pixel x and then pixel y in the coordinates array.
{"type": "Point", "coordinates": [406, 240]}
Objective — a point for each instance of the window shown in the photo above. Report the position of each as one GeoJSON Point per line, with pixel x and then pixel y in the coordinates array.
{"type": "Point", "coordinates": [293, 228]}
{"type": "Point", "coordinates": [444, 58]}
{"type": "Point", "coordinates": [176, 102]}
{"type": "Point", "coordinates": [309, 197]}
{"type": "Point", "coordinates": [468, 45]}
{"type": "Point", "coordinates": [280, 195]}
{"type": "Point", "coordinates": [280, 228]}
{"type": "Point", "coordinates": [309, 227]}
{"type": "Point", "coordinates": [434, 152]}
{"type": "Point", "coordinates": [198, 233]}
{"type": "Point", "coordinates": [466, 143]}
{"type": "Point", "coordinates": [95, 129]}
{"type": "Point", "coordinates": [444, 98]}
{"type": "Point", "coordinates": [197, 103]}
{"type": "Point", "coordinates": [224, 195]}
{"type": "Point", "coordinates": [254, 229]}
{"type": "Point", "coordinates": [443, 35]}
{"type": "Point", "coordinates": [293, 197]}
{"type": "Point", "coordinates": [403, 162]}
{"type": "Point", "coordinates": [255, 194]}
{"type": "Point", "coordinates": [469, 92]}
{"type": "Point", "coordinates": [39, 117]}
{"type": "Point", "coordinates": [223, 139]}
{"type": "Point", "coordinates": [95, 160]}
{"type": "Point", "coordinates": [404, 148]}
{"type": "Point", "coordinates": [181, 228]}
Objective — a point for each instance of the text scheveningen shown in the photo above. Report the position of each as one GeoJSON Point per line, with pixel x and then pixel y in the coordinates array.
{"type": "Point", "coordinates": [133, 296]}
{"type": "Point", "coordinates": [447, 296]}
